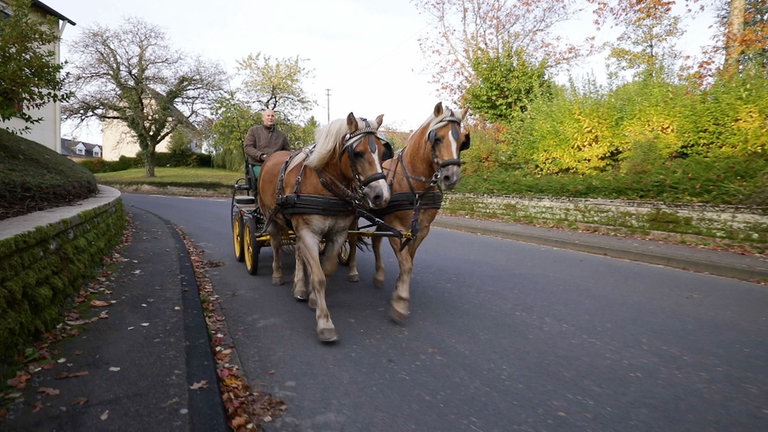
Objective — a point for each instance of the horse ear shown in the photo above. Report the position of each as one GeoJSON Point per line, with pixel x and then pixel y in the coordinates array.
{"type": "Point", "coordinates": [438, 109]}
{"type": "Point", "coordinates": [379, 120]}
{"type": "Point", "coordinates": [351, 122]}
{"type": "Point", "coordinates": [463, 113]}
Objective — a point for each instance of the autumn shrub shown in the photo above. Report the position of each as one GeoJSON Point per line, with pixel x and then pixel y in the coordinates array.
{"type": "Point", "coordinates": [487, 150]}
{"type": "Point", "coordinates": [570, 133]}
{"type": "Point", "coordinates": [730, 118]}
{"type": "Point", "coordinates": [652, 120]}
{"type": "Point", "coordinates": [697, 179]}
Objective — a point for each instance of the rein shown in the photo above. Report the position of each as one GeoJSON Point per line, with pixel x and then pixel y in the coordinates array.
{"type": "Point", "coordinates": [343, 201]}
{"type": "Point", "coordinates": [432, 197]}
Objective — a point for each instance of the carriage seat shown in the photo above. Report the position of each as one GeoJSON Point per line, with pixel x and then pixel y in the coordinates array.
{"type": "Point", "coordinates": [245, 200]}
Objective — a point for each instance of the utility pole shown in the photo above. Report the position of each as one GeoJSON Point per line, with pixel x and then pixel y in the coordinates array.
{"type": "Point", "coordinates": [328, 103]}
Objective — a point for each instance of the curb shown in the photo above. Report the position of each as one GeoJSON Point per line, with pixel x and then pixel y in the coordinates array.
{"type": "Point", "coordinates": [727, 264]}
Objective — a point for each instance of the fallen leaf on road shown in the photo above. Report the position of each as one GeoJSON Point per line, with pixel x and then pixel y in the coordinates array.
{"type": "Point", "coordinates": [64, 375]}
{"type": "Point", "coordinates": [49, 391]}
{"type": "Point", "coordinates": [104, 415]}
{"type": "Point", "coordinates": [37, 406]}
{"type": "Point", "coordinates": [114, 369]}
{"type": "Point", "coordinates": [239, 421]}
{"type": "Point", "coordinates": [80, 401]}
{"type": "Point", "coordinates": [20, 380]}
{"type": "Point", "coordinates": [199, 385]}
{"type": "Point", "coordinates": [100, 303]}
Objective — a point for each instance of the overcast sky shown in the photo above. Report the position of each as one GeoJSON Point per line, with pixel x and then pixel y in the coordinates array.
{"type": "Point", "coordinates": [365, 51]}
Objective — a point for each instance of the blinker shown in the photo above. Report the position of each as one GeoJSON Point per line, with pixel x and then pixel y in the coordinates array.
{"type": "Point", "coordinates": [465, 144]}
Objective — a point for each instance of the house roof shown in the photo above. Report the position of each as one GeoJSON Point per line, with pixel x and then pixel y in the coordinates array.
{"type": "Point", "coordinates": [51, 11]}
{"type": "Point", "coordinates": [68, 147]}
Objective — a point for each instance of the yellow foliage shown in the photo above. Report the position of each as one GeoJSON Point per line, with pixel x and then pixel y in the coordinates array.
{"type": "Point", "coordinates": [752, 127]}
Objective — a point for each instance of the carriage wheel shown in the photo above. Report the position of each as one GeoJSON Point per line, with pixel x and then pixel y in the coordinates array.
{"type": "Point", "coordinates": [251, 251]}
{"type": "Point", "coordinates": [237, 233]}
{"type": "Point", "coordinates": [343, 255]}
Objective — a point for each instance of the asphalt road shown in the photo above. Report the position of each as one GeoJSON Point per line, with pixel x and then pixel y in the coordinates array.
{"type": "Point", "coordinates": [503, 336]}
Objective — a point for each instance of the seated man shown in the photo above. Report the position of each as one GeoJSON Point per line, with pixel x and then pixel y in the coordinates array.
{"type": "Point", "coordinates": [260, 142]}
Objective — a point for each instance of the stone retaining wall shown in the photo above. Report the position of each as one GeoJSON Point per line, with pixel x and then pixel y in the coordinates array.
{"type": "Point", "coordinates": [45, 258]}
{"type": "Point", "coordinates": [741, 224]}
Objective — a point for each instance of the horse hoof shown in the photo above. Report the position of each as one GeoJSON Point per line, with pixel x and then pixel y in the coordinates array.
{"type": "Point", "coordinates": [312, 303]}
{"type": "Point", "coordinates": [277, 281]}
{"type": "Point", "coordinates": [353, 278]}
{"type": "Point", "coordinates": [378, 283]}
{"type": "Point", "coordinates": [398, 316]}
{"type": "Point", "coordinates": [300, 297]}
{"type": "Point", "coordinates": [327, 335]}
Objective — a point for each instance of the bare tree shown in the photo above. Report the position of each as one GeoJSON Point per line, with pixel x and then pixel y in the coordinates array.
{"type": "Point", "coordinates": [131, 75]}
{"type": "Point", "coordinates": [464, 28]}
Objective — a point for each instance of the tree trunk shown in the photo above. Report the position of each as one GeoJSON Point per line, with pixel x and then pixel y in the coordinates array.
{"type": "Point", "coordinates": [734, 42]}
{"type": "Point", "coordinates": [149, 162]}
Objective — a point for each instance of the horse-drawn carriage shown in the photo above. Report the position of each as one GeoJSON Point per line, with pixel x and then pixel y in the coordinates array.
{"type": "Point", "coordinates": [314, 198]}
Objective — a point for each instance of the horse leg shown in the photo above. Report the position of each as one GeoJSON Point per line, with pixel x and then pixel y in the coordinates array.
{"type": "Point", "coordinates": [402, 295]}
{"type": "Point", "coordinates": [353, 275]}
{"type": "Point", "coordinates": [378, 276]}
{"type": "Point", "coordinates": [401, 298]}
{"type": "Point", "coordinates": [310, 253]}
{"type": "Point", "coordinates": [276, 243]}
{"type": "Point", "coordinates": [331, 256]}
{"type": "Point", "coordinates": [299, 276]}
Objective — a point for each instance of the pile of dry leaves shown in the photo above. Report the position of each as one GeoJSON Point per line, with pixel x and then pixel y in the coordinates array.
{"type": "Point", "coordinates": [246, 409]}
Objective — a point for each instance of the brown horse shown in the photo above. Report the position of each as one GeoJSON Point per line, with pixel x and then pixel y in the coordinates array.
{"type": "Point", "coordinates": [428, 164]}
{"type": "Point", "coordinates": [316, 193]}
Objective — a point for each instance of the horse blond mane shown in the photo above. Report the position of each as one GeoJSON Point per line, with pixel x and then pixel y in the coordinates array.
{"type": "Point", "coordinates": [328, 140]}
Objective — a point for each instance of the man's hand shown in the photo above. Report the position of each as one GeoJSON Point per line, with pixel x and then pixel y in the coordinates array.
{"type": "Point", "coordinates": [262, 157]}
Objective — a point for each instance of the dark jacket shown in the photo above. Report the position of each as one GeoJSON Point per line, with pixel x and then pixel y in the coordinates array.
{"type": "Point", "coordinates": [261, 142]}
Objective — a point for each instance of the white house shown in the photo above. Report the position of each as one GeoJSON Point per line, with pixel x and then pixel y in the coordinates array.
{"type": "Point", "coordinates": [48, 131]}
{"type": "Point", "coordinates": [118, 140]}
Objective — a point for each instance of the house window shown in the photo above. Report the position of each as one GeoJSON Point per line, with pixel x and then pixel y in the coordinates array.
{"type": "Point", "coordinates": [97, 152]}
{"type": "Point", "coordinates": [80, 149]}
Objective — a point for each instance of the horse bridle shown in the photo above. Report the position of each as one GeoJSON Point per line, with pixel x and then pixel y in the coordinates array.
{"type": "Point", "coordinates": [352, 139]}
{"type": "Point", "coordinates": [455, 124]}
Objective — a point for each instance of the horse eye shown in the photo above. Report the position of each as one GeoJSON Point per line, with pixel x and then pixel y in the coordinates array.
{"type": "Point", "coordinates": [358, 155]}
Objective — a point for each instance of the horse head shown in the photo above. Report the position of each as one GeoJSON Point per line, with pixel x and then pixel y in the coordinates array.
{"type": "Point", "coordinates": [447, 141]}
{"type": "Point", "coordinates": [352, 150]}
{"type": "Point", "coordinates": [366, 150]}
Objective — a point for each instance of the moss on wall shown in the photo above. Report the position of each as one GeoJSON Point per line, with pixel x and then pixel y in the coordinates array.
{"type": "Point", "coordinates": [41, 270]}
